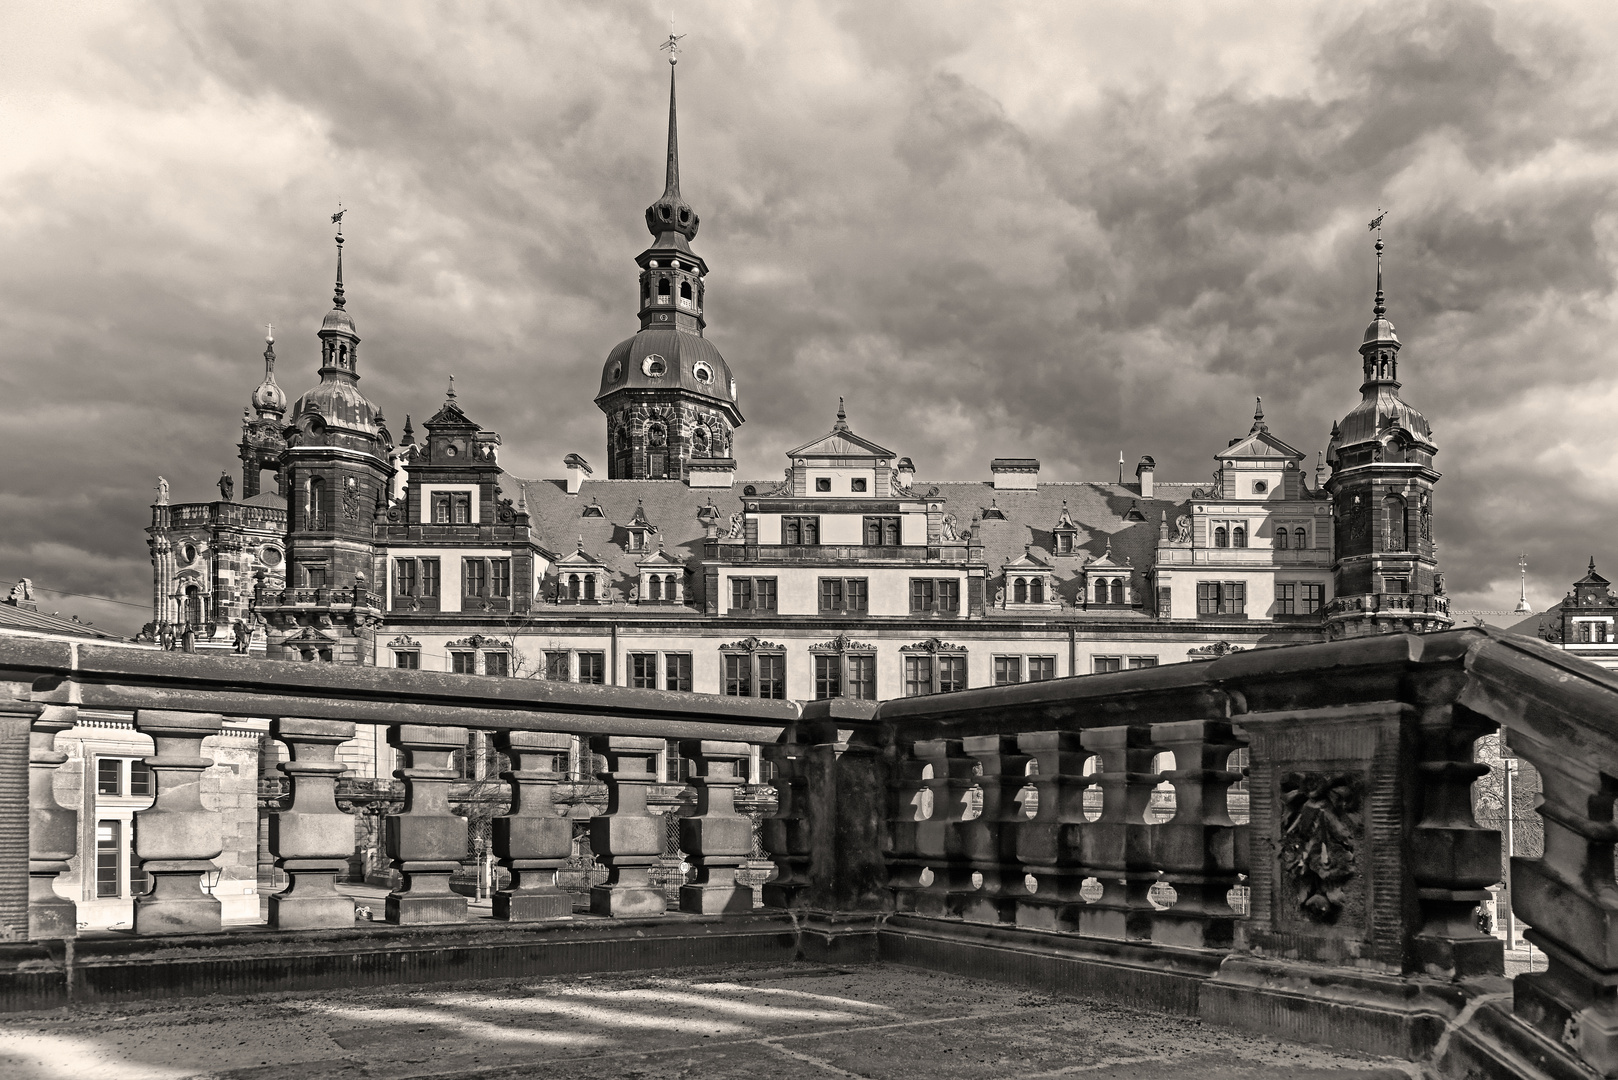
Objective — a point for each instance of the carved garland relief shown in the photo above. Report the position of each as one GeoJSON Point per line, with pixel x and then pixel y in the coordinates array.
{"type": "Point", "coordinates": [1321, 825]}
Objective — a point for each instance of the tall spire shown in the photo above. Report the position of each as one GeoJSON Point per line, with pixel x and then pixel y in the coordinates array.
{"type": "Point", "coordinates": [337, 293]}
{"type": "Point", "coordinates": [671, 214]}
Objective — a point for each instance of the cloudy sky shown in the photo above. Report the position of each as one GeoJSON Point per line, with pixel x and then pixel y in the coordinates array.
{"type": "Point", "coordinates": [1051, 229]}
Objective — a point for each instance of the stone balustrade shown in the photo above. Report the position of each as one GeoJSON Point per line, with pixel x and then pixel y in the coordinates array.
{"type": "Point", "coordinates": [1071, 833]}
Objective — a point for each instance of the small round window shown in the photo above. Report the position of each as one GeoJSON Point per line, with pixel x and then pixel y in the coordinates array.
{"type": "Point", "coordinates": [189, 553]}
{"type": "Point", "coordinates": [271, 557]}
{"type": "Point", "coordinates": [616, 373]}
{"type": "Point", "coordinates": [450, 451]}
{"type": "Point", "coordinates": [655, 366]}
{"type": "Point", "coordinates": [1260, 487]}
{"type": "Point", "coordinates": [703, 372]}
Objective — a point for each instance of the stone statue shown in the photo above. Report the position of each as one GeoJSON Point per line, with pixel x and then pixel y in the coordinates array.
{"type": "Point", "coordinates": [736, 524]}
{"type": "Point", "coordinates": [1438, 584]}
{"type": "Point", "coordinates": [1000, 597]}
{"type": "Point", "coordinates": [243, 637]}
{"type": "Point", "coordinates": [949, 532]}
{"type": "Point", "coordinates": [227, 486]}
{"type": "Point", "coordinates": [162, 491]}
{"type": "Point", "coordinates": [1182, 529]}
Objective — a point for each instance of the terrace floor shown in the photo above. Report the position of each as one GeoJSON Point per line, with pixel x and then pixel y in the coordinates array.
{"type": "Point", "coordinates": [762, 1022]}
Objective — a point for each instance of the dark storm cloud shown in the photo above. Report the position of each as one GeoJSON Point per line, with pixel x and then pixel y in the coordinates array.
{"type": "Point", "coordinates": [1049, 230]}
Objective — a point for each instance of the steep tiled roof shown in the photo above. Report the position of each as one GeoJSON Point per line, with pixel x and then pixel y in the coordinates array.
{"type": "Point", "coordinates": [13, 617]}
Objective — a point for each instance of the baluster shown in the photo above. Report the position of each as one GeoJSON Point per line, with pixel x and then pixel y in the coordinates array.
{"type": "Point", "coordinates": [939, 839]}
{"type": "Point", "coordinates": [1049, 844]}
{"type": "Point", "coordinates": [311, 839]}
{"type": "Point", "coordinates": [717, 839]}
{"type": "Point", "coordinates": [52, 828]}
{"type": "Point", "coordinates": [426, 840]}
{"type": "Point", "coordinates": [786, 832]}
{"type": "Point", "coordinates": [625, 837]}
{"type": "Point", "coordinates": [1569, 900]}
{"type": "Point", "coordinates": [989, 841]}
{"type": "Point", "coordinates": [910, 797]}
{"type": "Point", "coordinates": [1453, 859]}
{"type": "Point", "coordinates": [1118, 847]}
{"type": "Point", "coordinates": [177, 838]}
{"type": "Point", "coordinates": [533, 841]}
{"type": "Point", "coordinates": [1196, 848]}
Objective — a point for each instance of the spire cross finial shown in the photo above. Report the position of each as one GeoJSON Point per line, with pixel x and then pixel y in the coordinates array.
{"type": "Point", "coordinates": [269, 333]}
{"type": "Point", "coordinates": [1381, 308]}
{"type": "Point", "coordinates": [337, 220]}
{"type": "Point", "coordinates": [672, 45]}
{"type": "Point", "coordinates": [451, 394]}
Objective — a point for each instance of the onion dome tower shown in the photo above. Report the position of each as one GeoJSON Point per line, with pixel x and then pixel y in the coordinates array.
{"type": "Point", "coordinates": [1385, 560]}
{"type": "Point", "coordinates": [668, 395]}
{"type": "Point", "coordinates": [336, 471]}
{"type": "Point", "coordinates": [262, 443]}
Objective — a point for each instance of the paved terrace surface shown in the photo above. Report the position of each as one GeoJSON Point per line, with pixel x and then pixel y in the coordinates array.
{"type": "Point", "coordinates": [758, 1023]}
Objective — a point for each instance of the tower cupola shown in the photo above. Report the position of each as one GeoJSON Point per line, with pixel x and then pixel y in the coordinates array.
{"type": "Point", "coordinates": [269, 400]}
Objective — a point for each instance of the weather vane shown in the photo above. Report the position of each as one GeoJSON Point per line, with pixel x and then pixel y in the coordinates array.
{"type": "Point", "coordinates": [337, 218]}
{"type": "Point", "coordinates": [672, 45]}
{"type": "Point", "coordinates": [1376, 222]}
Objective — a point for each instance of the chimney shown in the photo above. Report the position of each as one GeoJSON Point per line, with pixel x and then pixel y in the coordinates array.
{"type": "Point", "coordinates": [710, 472]}
{"type": "Point", "coordinates": [1143, 476]}
{"type": "Point", "coordinates": [907, 472]}
{"type": "Point", "coordinates": [577, 470]}
{"type": "Point", "coordinates": [1015, 473]}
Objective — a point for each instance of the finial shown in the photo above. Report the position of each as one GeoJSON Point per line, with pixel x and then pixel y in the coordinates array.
{"type": "Point", "coordinates": [451, 394]}
{"type": "Point", "coordinates": [581, 541]}
{"type": "Point", "coordinates": [842, 417]}
{"type": "Point", "coordinates": [337, 293]}
{"type": "Point", "coordinates": [269, 333]}
{"type": "Point", "coordinates": [1592, 564]}
{"type": "Point", "coordinates": [1380, 308]}
{"type": "Point", "coordinates": [1120, 466]}
{"type": "Point", "coordinates": [1258, 416]}
{"type": "Point", "coordinates": [672, 45]}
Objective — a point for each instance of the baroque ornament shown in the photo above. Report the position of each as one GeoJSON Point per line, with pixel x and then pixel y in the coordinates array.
{"type": "Point", "coordinates": [1321, 823]}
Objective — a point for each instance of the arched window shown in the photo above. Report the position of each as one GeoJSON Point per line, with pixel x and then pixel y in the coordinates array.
{"type": "Point", "coordinates": [589, 586]}
{"type": "Point", "coordinates": [873, 532]}
{"type": "Point", "coordinates": [317, 503]}
{"type": "Point", "coordinates": [193, 605]}
{"type": "Point", "coordinates": [811, 530]}
{"type": "Point", "coordinates": [1221, 537]}
{"type": "Point", "coordinates": [662, 286]}
{"type": "Point", "coordinates": [1117, 591]}
{"type": "Point", "coordinates": [654, 587]}
{"type": "Point", "coordinates": [791, 533]}
{"type": "Point", "coordinates": [573, 586]}
{"type": "Point", "coordinates": [668, 588]}
{"type": "Point", "coordinates": [890, 532]}
{"type": "Point", "coordinates": [1019, 592]}
{"type": "Point", "coordinates": [1036, 591]}
{"type": "Point", "coordinates": [1238, 537]}
{"type": "Point", "coordinates": [1393, 510]}
{"type": "Point", "coordinates": [685, 291]}
{"type": "Point", "coordinates": [1282, 539]}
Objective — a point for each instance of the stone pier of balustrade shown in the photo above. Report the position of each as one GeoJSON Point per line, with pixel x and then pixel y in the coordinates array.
{"type": "Point", "coordinates": [716, 838]}
{"type": "Point", "coordinates": [1196, 849]}
{"type": "Point", "coordinates": [625, 837]}
{"type": "Point", "coordinates": [533, 841]}
{"type": "Point", "coordinates": [52, 827]}
{"type": "Point", "coordinates": [177, 838]}
{"type": "Point", "coordinates": [786, 832]}
{"type": "Point", "coordinates": [941, 835]}
{"type": "Point", "coordinates": [1117, 847]}
{"type": "Point", "coordinates": [1049, 844]}
{"type": "Point", "coordinates": [311, 839]}
{"type": "Point", "coordinates": [426, 840]}
{"type": "Point", "coordinates": [989, 841]}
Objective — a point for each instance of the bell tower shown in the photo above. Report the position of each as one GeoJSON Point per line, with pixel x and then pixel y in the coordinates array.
{"type": "Point", "coordinates": [262, 444]}
{"type": "Point", "coordinates": [1385, 559]}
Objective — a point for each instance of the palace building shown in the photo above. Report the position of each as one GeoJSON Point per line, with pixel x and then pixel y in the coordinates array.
{"type": "Point", "coordinates": [851, 572]}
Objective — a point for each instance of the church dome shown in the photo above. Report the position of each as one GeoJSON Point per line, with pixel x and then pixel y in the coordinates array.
{"type": "Point", "coordinates": [268, 398]}
{"type": "Point", "coordinates": [339, 404]}
{"type": "Point", "coordinates": [668, 359]}
{"type": "Point", "coordinates": [1378, 412]}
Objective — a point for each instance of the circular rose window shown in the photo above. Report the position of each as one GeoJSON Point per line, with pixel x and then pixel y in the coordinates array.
{"type": "Point", "coordinates": [655, 366]}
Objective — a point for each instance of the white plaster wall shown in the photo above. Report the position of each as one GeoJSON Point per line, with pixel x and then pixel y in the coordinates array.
{"type": "Point", "coordinates": [840, 485]}
{"type": "Point", "coordinates": [769, 528]}
{"type": "Point", "coordinates": [842, 529]}
{"type": "Point", "coordinates": [913, 529]}
{"type": "Point", "coordinates": [424, 512]}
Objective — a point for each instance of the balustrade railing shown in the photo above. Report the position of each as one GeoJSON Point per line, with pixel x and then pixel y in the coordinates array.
{"type": "Point", "coordinates": [1085, 819]}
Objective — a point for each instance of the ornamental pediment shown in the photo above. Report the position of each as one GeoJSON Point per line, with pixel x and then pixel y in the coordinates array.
{"type": "Point", "coordinates": [840, 644]}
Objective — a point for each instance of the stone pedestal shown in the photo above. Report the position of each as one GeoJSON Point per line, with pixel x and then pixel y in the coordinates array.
{"type": "Point", "coordinates": [717, 838]}
{"type": "Point", "coordinates": [533, 841]}
{"type": "Point", "coordinates": [426, 841]}
{"type": "Point", "coordinates": [52, 828]}
{"type": "Point", "coordinates": [177, 839]}
{"type": "Point", "coordinates": [311, 839]}
{"type": "Point", "coordinates": [625, 837]}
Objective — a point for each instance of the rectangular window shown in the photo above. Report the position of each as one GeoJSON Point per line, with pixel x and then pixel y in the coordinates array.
{"type": "Point", "coordinates": [1107, 663]}
{"type": "Point", "coordinates": [1207, 598]}
{"type": "Point", "coordinates": [1165, 602]}
{"type": "Point", "coordinates": [556, 667]}
{"type": "Point", "coordinates": [463, 509]}
{"type": "Point", "coordinates": [109, 776]}
{"type": "Point", "coordinates": [1311, 598]}
{"type": "Point", "coordinates": [918, 675]}
{"type": "Point", "coordinates": [657, 465]}
{"type": "Point", "coordinates": [1007, 670]}
{"type": "Point", "coordinates": [475, 577]}
{"type": "Point", "coordinates": [499, 577]}
{"type": "Point", "coordinates": [440, 509]}
{"type": "Point", "coordinates": [593, 668]}
{"type": "Point", "coordinates": [831, 594]}
{"type": "Point", "coordinates": [772, 676]}
{"type": "Point", "coordinates": [738, 675]}
{"type": "Point", "coordinates": [800, 530]}
{"type": "Point", "coordinates": [764, 594]}
{"type": "Point", "coordinates": [1396, 585]}
{"type": "Point", "coordinates": [410, 661]}
{"type": "Point", "coordinates": [922, 595]}
{"type": "Point", "coordinates": [429, 577]}
{"type": "Point", "coordinates": [497, 663]}
{"type": "Point", "coordinates": [314, 577]}
{"type": "Point", "coordinates": [404, 577]}
{"type": "Point", "coordinates": [1286, 598]}
{"type": "Point", "coordinates": [677, 671]}
{"type": "Point", "coordinates": [844, 595]}
{"type": "Point", "coordinates": [862, 677]}
{"type": "Point", "coordinates": [741, 594]}
{"type": "Point", "coordinates": [951, 673]}
{"type": "Point", "coordinates": [643, 670]}
{"type": "Point", "coordinates": [942, 595]}
{"type": "Point", "coordinates": [857, 484]}
{"type": "Point", "coordinates": [828, 677]}
{"type": "Point", "coordinates": [109, 849]}
{"type": "Point", "coordinates": [1221, 598]}
{"type": "Point", "coordinates": [1041, 668]}
{"type": "Point", "coordinates": [882, 532]}
{"type": "Point", "coordinates": [1138, 662]}
{"type": "Point", "coordinates": [463, 663]}
{"type": "Point", "coordinates": [140, 780]}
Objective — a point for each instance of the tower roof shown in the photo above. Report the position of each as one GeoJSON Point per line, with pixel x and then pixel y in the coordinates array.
{"type": "Point", "coordinates": [269, 399]}
{"type": "Point", "coordinates": [670, 219]}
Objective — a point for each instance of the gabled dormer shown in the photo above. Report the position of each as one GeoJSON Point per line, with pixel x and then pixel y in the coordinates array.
{"type": "Point", "coordinates": [1109, 582]}
{"type": "Point", "coordinates": [662, 579]}
{"type": "Point", "coordinates": [1068, 536]}
{"type": "Point", "coordinates": [639, 532]}
{"type": "Point", "coordinates": [582, 578]}
{"type": "Point", "coordinates": [841, 465]}
{"type": "Point", "coordinates": [1029, 584]}
{"type": "Point", "coordinates": [1258, 467]}
{"type": "Point", "coordinates": [454, 473]}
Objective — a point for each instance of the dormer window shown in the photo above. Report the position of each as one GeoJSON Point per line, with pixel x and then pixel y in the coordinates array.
{"type": "Point", "coordinates": [594, 510]}
{"type": "Point", "coordinates": [823, 483]}
{"type": "Point", "coordinates": [1064, 543]}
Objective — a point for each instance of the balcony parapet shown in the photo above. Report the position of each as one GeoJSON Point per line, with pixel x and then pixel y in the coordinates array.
{"type": "Point", "coordinates": [1181, 555]}
{"type": "Point", "coordinates": [738, 551]}
{"type": "Point", "coordinates": [197, 515]}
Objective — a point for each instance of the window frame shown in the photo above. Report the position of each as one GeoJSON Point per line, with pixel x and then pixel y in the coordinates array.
{"type": "Point", "coordinates": [759, 673]}
{"type": "Point", "coordinates": [412, 655]}
{"type": "Point", "coordinates": [846, 602]}
{"type": "Point", "coordinates": [597, 659]}
{"type": "Point", "coordinates": [797, 528]}
{"type": "Point", "coordinates": [755, 589]}
{"type": "Point", "coordinates": [1106, 665]}
{"type": "Point", "coordinates": [941, 596]}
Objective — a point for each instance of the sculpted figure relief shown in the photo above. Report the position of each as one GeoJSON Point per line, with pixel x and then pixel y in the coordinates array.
{"type": "Point", "coordinates": [1182, 529]}
{"type": "Point", "coordinates": [735, 525]}
{"type": "Point", "coordinates": [949, 532]}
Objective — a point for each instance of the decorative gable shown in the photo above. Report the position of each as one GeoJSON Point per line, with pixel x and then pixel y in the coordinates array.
{"type": "Point", "coordinates": [1030, 583]}
{"type": "Point", "coordinates": [1108, 582]}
